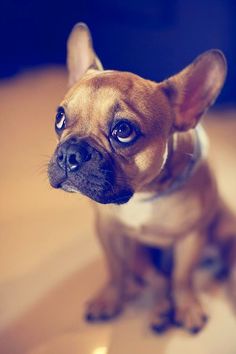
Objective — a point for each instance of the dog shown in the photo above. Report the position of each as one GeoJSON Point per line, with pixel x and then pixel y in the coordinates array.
{"type": "Point", "coordinates": [136, 148]}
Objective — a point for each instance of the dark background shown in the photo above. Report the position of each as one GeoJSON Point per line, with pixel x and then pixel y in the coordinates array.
{"type": "Point", "coordinates": [153, 38]}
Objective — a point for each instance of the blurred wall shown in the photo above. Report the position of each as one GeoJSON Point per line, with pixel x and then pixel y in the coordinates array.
{"type": "Point", "coordinates": [153, 38]}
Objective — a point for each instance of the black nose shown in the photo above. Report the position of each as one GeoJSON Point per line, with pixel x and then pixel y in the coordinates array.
{"type": "Point", "coordinates": [71, 154]}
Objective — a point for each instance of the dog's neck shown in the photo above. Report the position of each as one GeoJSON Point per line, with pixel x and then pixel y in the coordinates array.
{"type": "Point", "coordinates": [185, 150]}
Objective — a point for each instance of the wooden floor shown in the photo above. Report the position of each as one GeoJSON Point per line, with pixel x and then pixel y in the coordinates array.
{"type": "Point", "coordinates": [50, 262]}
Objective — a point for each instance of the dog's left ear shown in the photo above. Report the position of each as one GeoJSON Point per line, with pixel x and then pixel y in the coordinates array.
{"type": "Point", "coordinates": [80, 53]}
{"type": "Point", "coordinates": [195, 88]}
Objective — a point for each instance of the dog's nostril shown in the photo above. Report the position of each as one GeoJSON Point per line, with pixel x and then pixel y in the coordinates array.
{"type": "Point", "coordinates": [60, 157]}
{"type": "Point", "coordinates": [72, 160]}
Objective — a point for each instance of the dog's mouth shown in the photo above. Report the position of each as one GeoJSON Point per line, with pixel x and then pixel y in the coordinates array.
{"type": "Point", "coordinates": [98, 193]}
{"type": "Point", "coordinates": [97, 186]}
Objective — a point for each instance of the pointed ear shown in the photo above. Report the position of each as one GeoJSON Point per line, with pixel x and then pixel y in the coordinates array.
{"type": "Point", "coordinates": [194, 89]}
{"type": "Point", "coordinates": [80, 53]}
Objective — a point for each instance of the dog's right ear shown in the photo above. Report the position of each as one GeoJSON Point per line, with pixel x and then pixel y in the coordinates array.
{"type": "Point", "coordinates": [80, 53]}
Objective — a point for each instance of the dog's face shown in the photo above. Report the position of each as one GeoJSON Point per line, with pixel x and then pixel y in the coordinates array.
{"type": "Point", "coordinates": [112, 136]}
{"type": "Point", "coordinates": [113, 127]}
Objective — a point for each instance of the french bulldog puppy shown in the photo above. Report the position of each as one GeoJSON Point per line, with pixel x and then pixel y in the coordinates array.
{"type": "Point", "coordinates": [135, 148]}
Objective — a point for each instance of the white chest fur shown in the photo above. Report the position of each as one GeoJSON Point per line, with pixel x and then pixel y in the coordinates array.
{"type": "Point", "coordinates": [135, 213]}
{"type": "Point", "coordinates": [168, 214]}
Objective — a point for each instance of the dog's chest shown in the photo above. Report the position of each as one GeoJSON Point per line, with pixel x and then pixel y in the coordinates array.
{"type": "Point", "coordinates": [135, 213]}
{"type": "Point", "coordinates": [150, 220]}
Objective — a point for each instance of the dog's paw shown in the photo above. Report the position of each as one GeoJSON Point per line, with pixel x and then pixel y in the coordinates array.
{"type": "Point", "coordinates": [105, 306]}
{"type": "Point", "coordinates": [190, 315]}
{"type": "Point", "coordinates": [162, 317]}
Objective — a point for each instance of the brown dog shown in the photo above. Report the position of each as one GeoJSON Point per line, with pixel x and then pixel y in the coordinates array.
{"type": "Point", "coordinates": [131, 145]}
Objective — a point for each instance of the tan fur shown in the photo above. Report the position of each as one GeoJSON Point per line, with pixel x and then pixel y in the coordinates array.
{"type": "Point", "coordinates": [182, 220]}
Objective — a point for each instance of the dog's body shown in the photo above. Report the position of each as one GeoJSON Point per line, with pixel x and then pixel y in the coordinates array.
{"type": "Point", "coordinates": [130, 145]}
{"type": "Point", "coordinates": [184, 222]}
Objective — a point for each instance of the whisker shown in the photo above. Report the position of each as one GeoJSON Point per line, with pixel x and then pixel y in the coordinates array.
{"type": "Point", "coordinates": [42, 168]}
{"type": "Point", "coordinates": [188, 154]}
{"type": "Point", "coordinates": [109, 184]}
{"type": "Point", "coordinates": [105, 170]}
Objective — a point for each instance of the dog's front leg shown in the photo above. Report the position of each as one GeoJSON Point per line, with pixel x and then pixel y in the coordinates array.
{"type": "Point", "coordinates": [118, 251]}
{"type": "Point", "coordinates": [188, 310]}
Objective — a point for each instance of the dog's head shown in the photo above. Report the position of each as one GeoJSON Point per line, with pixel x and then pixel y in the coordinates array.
{"type": "Point", "coordinates": [113, 127]}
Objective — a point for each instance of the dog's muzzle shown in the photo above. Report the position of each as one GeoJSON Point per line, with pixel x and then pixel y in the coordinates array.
{"type": "Point", "coordinates": [78, 165]}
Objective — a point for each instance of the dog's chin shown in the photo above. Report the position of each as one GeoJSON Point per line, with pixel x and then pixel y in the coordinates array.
{"type": "Point", "coordinates": [121, 197]}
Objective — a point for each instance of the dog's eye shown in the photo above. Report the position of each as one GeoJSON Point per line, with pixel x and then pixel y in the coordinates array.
{"type": "Point", "coordinates": [124, 132]}
{"type": "Point", "coordinates": [60, 123]}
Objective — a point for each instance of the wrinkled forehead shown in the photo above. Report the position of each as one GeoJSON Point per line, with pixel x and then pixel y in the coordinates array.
{"type": "Point", "coordinates": [93, 95]}
{"type": "Point", "coordinates": [100, 97]}
{"type": "Point", "coordinates": [98, 94]}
